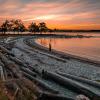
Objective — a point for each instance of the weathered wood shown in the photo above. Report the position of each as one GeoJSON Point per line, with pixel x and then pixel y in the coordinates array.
{"type": "Point", "coordinates": [48, 96]}
{"type": "Point", "coordinates": [52, 56]}
{"type": "Point", "coordinates": [80, 79]}
{"type": "Point", "coordinates": [40, 83]}
{"type": "Point", "coordinates": [35, 70]}
{"type": "Point", "coordinates": [28, 71]}
{"type": "Point", "coordinates": [2, 73]}
{"type": "Point", "coordinates": [15, 94]}
{"type": "Point", "coordinates": [75, 86]}
{"type": "Point", "coordinates": [18, 61]}
{"type": "Point", "coordinates": [1, 63]}
{"type": "Point", "coordinates": [30, 85]}
{"type": "Point", "coordinates": [10, 65]}
{"type": "Point", "coordinates": [5, 50]}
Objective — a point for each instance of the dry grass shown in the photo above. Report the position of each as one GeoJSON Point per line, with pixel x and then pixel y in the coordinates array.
{"type": "Point", "coordinates": [17, 90]}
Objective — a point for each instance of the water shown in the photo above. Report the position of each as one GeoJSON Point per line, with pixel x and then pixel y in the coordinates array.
{"type": "Point", "coordinates": [84, 47]}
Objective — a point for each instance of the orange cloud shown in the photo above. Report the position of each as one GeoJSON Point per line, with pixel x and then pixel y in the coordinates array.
{"type": "Point", "coordinates": [64, 14]}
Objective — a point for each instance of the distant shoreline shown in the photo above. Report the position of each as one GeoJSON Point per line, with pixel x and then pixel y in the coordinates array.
{"type": "Point", "coordinates": [49, 34]}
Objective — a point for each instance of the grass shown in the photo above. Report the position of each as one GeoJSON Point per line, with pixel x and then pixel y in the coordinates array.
{"type": "Point", "coordinates": [3, 96]}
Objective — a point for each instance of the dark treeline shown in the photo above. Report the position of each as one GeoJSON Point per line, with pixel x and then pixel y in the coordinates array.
{"type": "Point", "coordinates": [60, 30]}
{"type": "Point", "coordinates": [18, 26]}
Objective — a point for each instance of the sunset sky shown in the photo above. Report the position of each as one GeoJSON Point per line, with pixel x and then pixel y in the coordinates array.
{"type": "Point", "coordinates": [61, 14]}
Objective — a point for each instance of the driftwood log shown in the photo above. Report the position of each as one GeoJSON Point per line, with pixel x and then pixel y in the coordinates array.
{"type": "Point", "coordinates": [2, 73]}
{"type": "Point", "coordinates": [83, 80]}
{"type": "Point", "coordinates": [40, 83]}
{"type": "Point", "coordinates": [18, 61]}
{"type": "Point", "coordinates": [3, 49]}
{"type": "Point", "coordinates": [11, 65]}
{"type": "Point", "coordinates": [48, 96]}
{"type": "Point", "coordinates": [28, 71]}
{"type": "Point", "coordinates": [75, 86]}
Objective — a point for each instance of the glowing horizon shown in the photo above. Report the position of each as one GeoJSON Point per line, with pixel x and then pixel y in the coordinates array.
{"type": "Point", "coordinates": [61, 14]}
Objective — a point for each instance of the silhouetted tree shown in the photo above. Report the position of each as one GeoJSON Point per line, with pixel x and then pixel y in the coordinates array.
{"type": "Point", "coordinates": [5, 26]}
{"type": "Point", "coordinates": [18, 26]}
{"type": "Point", "coordinates": [33, 27]}
{"type": "Point", "coordinates": [42, 27]}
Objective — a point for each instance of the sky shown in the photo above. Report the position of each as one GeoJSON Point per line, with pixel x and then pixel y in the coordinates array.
{"type": "Point", "coordinates": [61, 14]}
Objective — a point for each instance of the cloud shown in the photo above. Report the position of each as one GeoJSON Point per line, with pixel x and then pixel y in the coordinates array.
{"type": "Point", "coordinates": [58, 11]}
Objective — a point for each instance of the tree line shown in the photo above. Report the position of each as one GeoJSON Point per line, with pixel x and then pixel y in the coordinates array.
{"type": "Point", "coordinates": [18, 26]}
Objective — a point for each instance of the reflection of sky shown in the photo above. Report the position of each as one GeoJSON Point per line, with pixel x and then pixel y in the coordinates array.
{"type": "Point", "coordinates": [85, 47]}
{"type": "Point", "coordinates": [72, 14]}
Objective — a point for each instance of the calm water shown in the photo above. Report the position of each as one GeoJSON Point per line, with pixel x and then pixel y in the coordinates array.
{"type": "Point", "coordinates": [85, 47]}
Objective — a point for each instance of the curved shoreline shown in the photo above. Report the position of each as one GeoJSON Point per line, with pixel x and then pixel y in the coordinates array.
{"type": "Point", "coordinates": [63, 55]}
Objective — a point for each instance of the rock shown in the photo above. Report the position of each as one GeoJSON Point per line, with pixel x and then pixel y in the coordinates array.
{"type": "Point", "coordinates": [82, 97]}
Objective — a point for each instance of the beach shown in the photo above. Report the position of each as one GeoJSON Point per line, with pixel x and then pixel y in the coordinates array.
{"type": "Point", "coordinates": [37, 60]}
{"type": "Point", "coordinates": [41, 61]}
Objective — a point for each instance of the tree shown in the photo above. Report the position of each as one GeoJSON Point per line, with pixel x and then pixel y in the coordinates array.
{"type": "Point", "coordinates": [42, 27]}
{"type": "Point", "coordinates": [5, 26]}
{"type": "Point", "coordinates": [18, 26]}
{"type": "Point", "coordinates": [33, 27]}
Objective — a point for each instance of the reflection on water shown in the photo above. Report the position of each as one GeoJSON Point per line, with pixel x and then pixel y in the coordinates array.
{"type": "Point", "coordinates": [80, 33]}
{"type": "Point", "coordinates": [85, 47]}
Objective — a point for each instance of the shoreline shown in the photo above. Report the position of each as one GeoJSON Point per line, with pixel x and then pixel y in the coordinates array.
{"type": "Point", "coordinates": [61, 54]}
{"type": "Point", "coordinates": [37, 64]}
{"type": "Point", "coordinates": [50, 34]}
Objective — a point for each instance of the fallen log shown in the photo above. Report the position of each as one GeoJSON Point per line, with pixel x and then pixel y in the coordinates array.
{"type": "Point", "coordinates": [10, 65]}
{"type": "Point", "coordinates": [2, 73]}
{"type": "Point", "coordinates": [27, 93]}
{"type": "Point", "coordinates": [90, 82]}
{"type": "Point", "coordinates": [35, 70]}
{"type": "Point", "coordinates": [30, 85]}
{"type": "Point", "coordinates": [75, 86]}
{"type": "Point", "coordinates": [6, 51]}
{"type": "Point", "coordinates": [40, 83]}
{"type": "Point", "coordinates": [52, 56]}
{"type": "Point", "coordinates": [2, 70]}
{"type": "Point", "coordinates": [1, 64]}
{"type": "Point", "coordinates": [17, 61]}
{"type": "Point", "coordinates": [49, 96]}
{"type": "Point", "coordinates": [47, 54]}
{"type": "Point", "coordinates": [28, 71]}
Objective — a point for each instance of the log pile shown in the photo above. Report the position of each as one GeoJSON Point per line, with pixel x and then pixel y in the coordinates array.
{"type": "Point", "coordinates": [73, 85]}
{"type": "Point", "coordinates": [10, 65]}
{"type": "Point", "coordinates": [23, 83]}
{"type": "Point", "coordinates": [26, 83]}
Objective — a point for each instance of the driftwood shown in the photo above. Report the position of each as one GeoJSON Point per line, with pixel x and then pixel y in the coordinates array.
{"type": "Point", "coordinates": [75, 86]}
{"type": "Point", "coordinates": [1, 63]}
{"type": "Point", "coordinates": [52, 56]}
{"type": "Point", "coordinates": [40, 83]}
{"type": "Point", "coordinates": [41, 95]}
{"type": "Point", "coordinates": [30, 85]}
{"type": "Point", "coordinates": [18, 61]}
{"type": "Point", "coordinates": [2, 70]}
{"type": "Point", "coordinates": [83, 80]}
{"type": "Point", "coordinates": [10, 65]}
{"type": "Point", "coordinates": [49, 96]}
{"type": "Point", "coordinates": [25, 91]}
{"type": "Point", "coordinates": [28, 71]}
{"type": "Point", "coordinates": [5, 50]}
{"type": "Point", "coordinates": [35, 70]}
{"type": "Point", "coordinates": [2, 73]}
{"type": "Point", "coordinates": [49, 55]}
